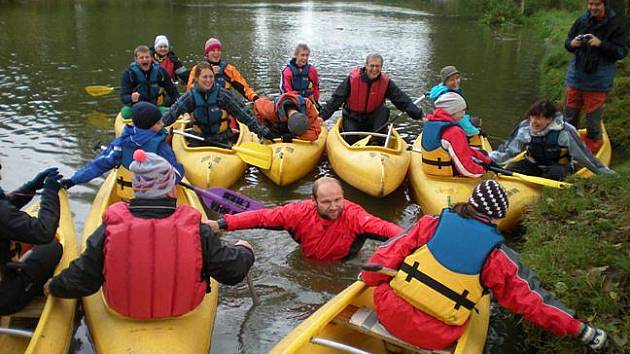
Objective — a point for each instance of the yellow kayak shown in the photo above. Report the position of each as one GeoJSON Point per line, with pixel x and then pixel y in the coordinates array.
{"type": "Point", "coordinates": [347, 320]}
{"type": "Point", "coordinates": [120, 122]}
{"type": "Point", "coordinates": [210, 166]}
{"type": "Point", "coordinates": [375, 170]}
{"type": "Point", "coordinates": [112, 333]}
{"type": "Point", "coordinates": [53, 333]}
{"type": "Point", "coordinates": [292, 161]}
{"type": "Point", "coordinates": [522, 194]}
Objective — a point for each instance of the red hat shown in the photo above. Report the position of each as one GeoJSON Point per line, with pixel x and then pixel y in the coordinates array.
{"type": "Point", "coordinates": [211, 44]}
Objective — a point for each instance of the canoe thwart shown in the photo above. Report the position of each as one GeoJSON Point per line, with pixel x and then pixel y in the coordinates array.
{"type": "Point", "coordinates": [15, 332]}
{"type": "Point", "coordinates": [378, 135]}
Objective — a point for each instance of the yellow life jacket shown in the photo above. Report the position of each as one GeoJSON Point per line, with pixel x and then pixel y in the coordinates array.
{"type": "Point", "coordinates": [441, 278]}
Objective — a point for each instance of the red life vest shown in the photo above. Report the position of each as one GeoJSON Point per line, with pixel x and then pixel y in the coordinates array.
{"type": "Point", "coordinates": [167, 64]}
{"type": "Point", "coordinates": [366, 97]}
{"type": "Point", "coordinates": [152, 267]}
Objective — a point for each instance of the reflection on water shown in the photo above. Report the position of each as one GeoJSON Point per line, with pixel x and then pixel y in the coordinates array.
{"type": "Point", "coordinates": [49, 51]}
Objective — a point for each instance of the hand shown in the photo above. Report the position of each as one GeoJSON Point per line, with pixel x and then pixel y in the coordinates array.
{"type": "Point", "coordinates": [594, 41]}
{"type": "Point", "coordinates": [52, 182]}
{"type": "Point", "coordinates": [593, 337]}
{"type": "Point", "coordinates": [135, 97]}
{"type": "Point", "coordinates": [214, 226]}
{"type": "Point", "coordinates": [67, 183]}
{"type": "Point", "coordinates": [216, 69]}
{"type": "Point", "coordinates": [38, 181]}
{"type": "Point", "coordinates": [287, 138]}
{"type": "Point", "coordinates": [47, 287]}
{"type": "Point", "coordinates": [575, 43]}
{"type": "Point", "coordinates": [245, 244]}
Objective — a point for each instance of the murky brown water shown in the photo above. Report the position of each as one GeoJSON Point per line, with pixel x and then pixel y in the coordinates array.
{"type": "Point", "coordinates": [49, 51]}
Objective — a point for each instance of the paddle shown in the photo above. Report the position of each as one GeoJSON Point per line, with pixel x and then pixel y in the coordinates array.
{"type": "Point", "coordinates": [99, 90]}
{"type": "Point", "coordinates": [363, 142]}
{"type": "Point", "coordinates": [252, 153]}
{"type": "Point", "coordinates": [531, 179]}
{"type": "Point", "coordinates": [224, 201]}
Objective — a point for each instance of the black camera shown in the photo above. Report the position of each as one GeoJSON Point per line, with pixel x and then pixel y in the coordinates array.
{"type": "Point", "coordinates": [584, 37]}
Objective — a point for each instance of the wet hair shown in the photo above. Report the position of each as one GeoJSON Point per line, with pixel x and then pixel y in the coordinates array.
{"type": "Point", "coordinates": [542, 107]}
{"type": "Point", "coordinates": [374, 56]}
{"type": "Point", "coordinates": [199, 67]}
{"type": "Point", "coordinates": [300, 47]}
{"type": "Point", "coordinates": [465, 210]}
{"type": "Point", "coordinates": [141, 49]}
{"type": "Point", "coordinates": [321, 180]}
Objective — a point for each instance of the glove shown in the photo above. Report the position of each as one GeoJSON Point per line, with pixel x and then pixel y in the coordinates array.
{"type": "Point", "coordinates": [287, 138]}
{"type": "Point", "coordinates": [67, 183]}
{"type": "Point", "coordinates": [593, 337]}
{"type": "Point", "coordinates": [38, 181]}
{"type": "Point", "coordinates": [52, 182]}
{"type": "Point", "coordinates": [266, 133]}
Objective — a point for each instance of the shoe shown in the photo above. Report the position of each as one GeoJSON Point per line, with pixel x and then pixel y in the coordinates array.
{"type": "Point", "coordinates": [593, 145]}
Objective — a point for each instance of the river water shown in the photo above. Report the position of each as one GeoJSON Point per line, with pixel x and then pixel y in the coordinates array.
{"type": "Point", "coordinates": [49, 51]}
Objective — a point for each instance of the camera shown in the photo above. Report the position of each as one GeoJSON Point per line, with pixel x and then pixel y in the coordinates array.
{"type": "Point", "coordinates": [584, 37]}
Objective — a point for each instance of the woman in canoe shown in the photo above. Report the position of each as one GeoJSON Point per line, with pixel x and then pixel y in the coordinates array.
{"type": "Point", "coordinates": [442, 272]}
{"type": "Point", "coordinates": [168, 60]}
{"type": "Point", "coordinates": [213, 107]}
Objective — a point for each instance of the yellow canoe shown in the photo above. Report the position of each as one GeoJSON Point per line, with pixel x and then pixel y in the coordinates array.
{"type": "Point", "coordinates": [120, 122]}
{"type": "Point", "coordinates": [210, 166]}
{"type": "Point", "coordinates": [522, 194]}
{"type": "Point", "coordinates": [332, 322]}
{"type": "Point", "coordinates": [112, 333]}
{"type": "Point", "coordinates": [375, 170]}
{"type": "Point", "coordinates": [53, 333]}
{"type": "Point", "coordinates": [292, 161]}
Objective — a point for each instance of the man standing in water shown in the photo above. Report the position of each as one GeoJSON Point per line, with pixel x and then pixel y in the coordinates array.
{"type": "Point", "coordinates": [327, 226]}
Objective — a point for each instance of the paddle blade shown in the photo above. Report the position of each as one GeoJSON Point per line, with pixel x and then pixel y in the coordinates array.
{"type": "Point", "coordinates": [98, 90]}
{"type": "Point", "coordinates": [363, 142]}
{"type": "Point", "coordinates": [255, 154]}
{"type": "Point", "coordinates": [236, 200]}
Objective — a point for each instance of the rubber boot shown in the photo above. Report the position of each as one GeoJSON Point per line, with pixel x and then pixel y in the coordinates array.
{"type": "Point", "coordinates": [594, 124]}
{"type": "Point", "coordinates": [572, 116]}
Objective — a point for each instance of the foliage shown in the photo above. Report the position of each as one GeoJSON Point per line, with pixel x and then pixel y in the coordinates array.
{"type": "Point", "coordinates": [577, 242]}
{"type": "Point", "coordinates": [499, 12]}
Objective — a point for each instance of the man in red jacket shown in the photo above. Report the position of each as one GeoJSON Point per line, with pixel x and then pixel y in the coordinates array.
{"type": "Point", "coordinates": [443, 272]}
{"type": "Point", "coordinates": [327, 227]}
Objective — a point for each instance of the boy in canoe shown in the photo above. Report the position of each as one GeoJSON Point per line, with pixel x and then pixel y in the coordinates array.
{"type": "Point", "coordinates": [289, 116]}
{"type": "Point", "coordinates": [300, 77]}
{"type": "Point", "coordinates": [445, 148]}
{"type": "Point", "coordinates": [186, 249]}
{"type": "Point", "coordinates": [436, 274]}
{"type": "Point", "coordinates": [22, 279]}
{"type": "Point", "coordinates": [550, 143]}
{"type": "Point", "coordinates": [451, 82]}
{"type": "Point", "coordinates": [147, 133]}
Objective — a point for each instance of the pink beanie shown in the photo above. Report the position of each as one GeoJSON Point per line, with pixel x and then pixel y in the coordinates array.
{"type": "Point", "coordinates": [211, 44]}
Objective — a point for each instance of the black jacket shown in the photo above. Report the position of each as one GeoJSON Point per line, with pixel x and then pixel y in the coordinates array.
{"type": "Point", "coordinates": [225, 263]}
{"type": "Point", "coordinates": [16, 225]}
{"type": "Point", "coordinates": [393, 93]}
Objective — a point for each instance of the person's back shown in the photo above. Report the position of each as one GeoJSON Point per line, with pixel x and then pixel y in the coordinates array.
{"type": "Point", "coordinates": [289, 116]}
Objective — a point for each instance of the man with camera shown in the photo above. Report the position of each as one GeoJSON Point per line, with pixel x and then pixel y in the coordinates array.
{"type": "Point", "coordinates": [598, 40]}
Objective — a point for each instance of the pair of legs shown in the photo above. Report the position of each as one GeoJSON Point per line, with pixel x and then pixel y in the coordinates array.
{"type": "Point", "coordinates": [556, 172]}
{"type": "Point", "coordinates": [369, 122]}
{"type": "Point", "coordinates": [24, 280]}
{"type": "Point", "coordinates": [593, 105]}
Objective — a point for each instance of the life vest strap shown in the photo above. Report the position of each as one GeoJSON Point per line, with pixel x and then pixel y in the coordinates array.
{"type": "Point", "coordinates": [123, 183]}
{"type": "Point", "coordinates": [439, 162]}
{"type": "Point", "coordinates": [414, 273]}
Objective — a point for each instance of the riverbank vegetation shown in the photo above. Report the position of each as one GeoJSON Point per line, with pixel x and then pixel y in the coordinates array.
{"type": "Point", "coordinates": [578, 240]}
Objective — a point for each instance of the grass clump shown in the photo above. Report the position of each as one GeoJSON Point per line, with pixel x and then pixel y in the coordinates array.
{"type": "Point", "coordinates": [578, 242]}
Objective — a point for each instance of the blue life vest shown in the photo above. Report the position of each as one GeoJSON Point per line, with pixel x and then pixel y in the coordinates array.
{"type": "Point", "coordinates": [208, 113]}
{"type": "Point", "coordinates": [432, 134]}
{"type": "Point", "coordinates": [152, 145]}
{"type": "Point", "coordinates": [546, 151]}
{"type": "Point", "coordinates": [300, 81]}
{"type": "Point", "coordinates": [150, 90]}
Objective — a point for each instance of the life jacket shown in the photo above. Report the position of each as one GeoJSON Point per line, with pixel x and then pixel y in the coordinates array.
{"type": "Point", "coordinates": [123, 175]}
{"type": "Point", "coordinates": [366, 97]}
{"type": "Point", "coordinates": [152, 267]}
{"type": "Point", "coordinates": [220, 77]}
{"type": "Point", "coordinates": [475, 141]}
{"type": "Point", "coordinates": [150, 89]}
{"type": "Point", "coordinates": [435, 159]}
{"type": "Point", "coordinates": [167, 63]}
{"type": "Point", "coordinates": [282, 126]}
{"type": "Point", "coordinates": [441, 278]}
{"type": "Point", "coordinates": [300, 81]}
{"type": "Point", "coordinates": [546, 151]}
{"type": "Point", "coordinates": [208, 114]}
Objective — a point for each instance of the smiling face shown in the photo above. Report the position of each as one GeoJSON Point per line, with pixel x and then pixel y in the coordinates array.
{"type": "Point", "coordinates": [205, 80]}
{"type": "Point", "coordinates": [329, 200]}
{"type": "Point", "coordinates": [214, 55]}
{"type": "Point", "coordinates": [161, 49]}
{"type": "Point", "coordinates": [539, 122]}
{"type": "Point", "coordinates": [301, 58]}
{"type": "Point", "coordinates": [143, 59]}
{"type": "Point", "coordinates": [373, 68]}
{"type": "Point", "coordinates": [453, 81]}
{"type": "Point", "coordinates": [596, 8]}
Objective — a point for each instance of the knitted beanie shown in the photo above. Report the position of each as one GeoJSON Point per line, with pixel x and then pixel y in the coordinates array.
{"type": "Point", "coordinates": [211, 44]}
{"type": "Point", "coordinates": [144, 115]}
{"type": "Point", "coordinates": [451, 102]}
{"type": "Point", "coordinates": [490, 199]}
{"type": "Point", "coordinates": [297, 123]}
{"type": "Point", "coordinates": [160, 40]}
{"type": "Point", "coordinates": [447, 72]}
{"type": "Point", "coordinates": [153, 176]}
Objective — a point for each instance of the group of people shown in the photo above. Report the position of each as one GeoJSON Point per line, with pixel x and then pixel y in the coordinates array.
{"type": "Point", "coordinates": [434, 260]}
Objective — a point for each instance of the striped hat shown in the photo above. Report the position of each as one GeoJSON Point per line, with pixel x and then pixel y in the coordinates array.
{"type": "Point", "coordinates": [153, 176]}
{"type": "Point", "coordinates": [490, 199]}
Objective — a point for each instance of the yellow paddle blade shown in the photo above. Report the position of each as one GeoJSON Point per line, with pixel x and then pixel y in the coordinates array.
{"type": "Point", "coordinates": [543, 181]}
{"type": "Point", "coordinates": [363, 142]}
{"type": "Point", "coordinates": [98, 90]}
{"type": "Point", "coordinates": [255, 154]}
